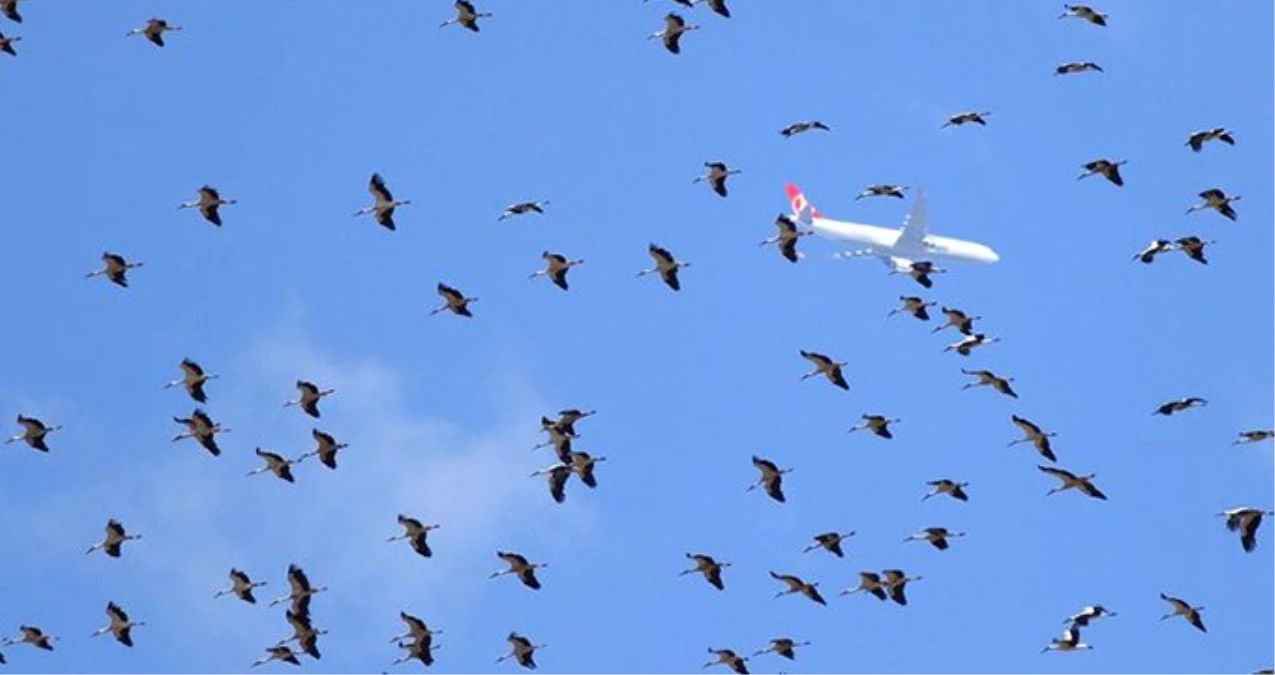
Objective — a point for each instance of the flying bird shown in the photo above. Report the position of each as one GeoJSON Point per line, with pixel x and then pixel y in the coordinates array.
{"type": "Point", "coordinates": [300, 591]}
{"type": "Point", "coordinates": [1034, 435]}
{"type": "Point", "coordinates": [241, 586]}
{"type": "Point", "coordinates": [1070, 641]}
{"type": "Point", "coordinates": [1245, 520]}
{"type": "Point", "coordinates": [200, 427]}
{"type": "Point", "coordinates": [869, 582]}
{"type": "Point", "coordinates": [718, 6]}
{"type": "Point", "coordinates": [1184, 609]}
{"type": "Point", "coordinates": [716, 176]}
{"type": "Point", "coordinates": [10, 10]}
{"type": "Point", "coordinates": [1193, 247]}
{"type": "Point", "coordinates": [421, 650]}
{"type": "Point", "coordinates": [34, 432]}
{"type": "Point", "coordinates": [278, 653]}
{"type": "Point", "coordinates": [559, 438]}
{"type": "Point", "coordinates": [787, 237]}
{"type": "Point", "coordinates": [877, 424]}
{"type": "Point", "coordinates": [896, 583]}
{"type": "Point", "coordinates": [558, 475]}
{"type": "Point", "coordinates": [1155, 248]}
{"type": "Point", "coordinates": [309, 399]}
{"type": "Point", "coordinates": [32, 636]}
{"type": "Point", "coordinates": [1256, 436]}
{"type": "Point", "coordinates": [1197, 140]}
{"type": "Point", "coordinates": [1084, 12]}
{"type": "Point", "coordinates": [116, 269]}
{"type": "Point", "coordinates": [830, 542]}
{"type": "Point", "coordinates": [728, 658]}
{"type": "Point", "coordinates": [963, 118]}
{"type": "Point", "coordinates": [583, 464]}
{"type": "Point", "coordinates": [523, 207]}
{"type": "Point", "coordinates": [989, 379]}
{"type": "Point", "coordinates": [1084, 616]}
{"type": "Point", "coordinates": [666, 265]}
{"type": "Point", "coordinates": [121, 626]}
{"type": "Point", "coordinates": [304, 633]}
{"type": "Point", "coordinates": [674, 27]}
{"type": "Point", "coordinates": [1070, 480]}
{"type": "Point", "coordinates": [1218, 201]}
{"type": "Point", "coordinates": [6, 44]}
{"type": "Point", "coordinates": [466, 15]}
{"type": "Point", "coordinates": [193, 380]}
{"type": "Point", "coordinates": [417, 630]}
{"type": "Point", "coordinates": [209, 204]}
{"type": "Point", "coordinates": [881, 191]}
{"type": "Point", "coordinates": [969, 342]}
{"type": "Point", "coordinates": [797, 585]}
{"type": "Point", "coordinates": [827, 367]}
{"type": "Point", "coordinates": [920, 271]}
{"type": "Point", "coordinates": [417, 533]}
{"type": "Point", "coordinates": [913, 305]}
{"type": "Point", "coordinates": [154, 31]}
{"type": "Point", "coordinates": [802, 127]}
{"type": "Point", "coordinates": [384, 204]}
{"type": "Point", "coordinates": [963, 322]}
{"type": "Point", "coordinates": [277, 464]}
{"type": "Point", "coordinates": [947, 486]}
{"type": "Point", "coordinates": [566, 422]}
{"type": "Point", "coordinates": [522, 651]}
{"type": "Point", "coordinates": [1077, 67]}
{"type": "Point", "coordinates": [326, 449]}
{"type": "Point", "coordinates": [937, 536]}
{"type": "Point", "coordinates": [114, 540]}
{"type": "Point", "coordinates": [772, 479]}
{"type": "Point", "coordinates": [518, 565]}
{"type": "Point", "coordinates": [1170, 407]}
{"type": "Point", "coordinates": [453, 300]}
{"type": "Point", "coordinates": [1109, 170]}
{"type": "Point", "coordinates": [557, 267]}
{"type": "Point", "coordinates": [783, 647]}
{"type": "Point", "coordinates": [710, 568]}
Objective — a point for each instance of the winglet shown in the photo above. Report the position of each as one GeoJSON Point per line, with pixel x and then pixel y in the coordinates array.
{"type": "Point", "coordinates": [802, 209]}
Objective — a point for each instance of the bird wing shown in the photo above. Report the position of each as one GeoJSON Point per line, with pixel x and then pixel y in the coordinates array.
{"type": "Point", "coordinates": [1026, 425]}
{"type": "Point", "coordinates": [514, 559]}
{"type": "Point", "coordinates": [767, 467]}
{"type": "Point", "coordinates": [449, 294]}
{"type": "Point", "coordinates": [1061, 474]}
{"type": "Point", "coordinates": [838, 378]}
{"type": "Point", "coordinates": [191, 369]}
{"type": "Point", "coordinates": [816, 358]}
{"type": "Point", "coordinates": [661, 255]}
{"type": "Point", "coordinates": [775, 487]}
{"type": "Point", "coordinates": [376, 185]}
{"type": "Point", "coordinates": [298, 580]}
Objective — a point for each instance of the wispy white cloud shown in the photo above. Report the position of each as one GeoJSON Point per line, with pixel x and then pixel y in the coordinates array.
{"type": "Point", "coordinates": [200, 515]}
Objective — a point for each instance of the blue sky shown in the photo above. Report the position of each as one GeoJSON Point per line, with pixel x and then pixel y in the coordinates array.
{"type": "Point", "coordinates": [289, 107]}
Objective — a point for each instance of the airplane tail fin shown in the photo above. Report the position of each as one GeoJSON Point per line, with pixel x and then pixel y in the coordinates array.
{"type": "Point", "coordinates": [802, 209]}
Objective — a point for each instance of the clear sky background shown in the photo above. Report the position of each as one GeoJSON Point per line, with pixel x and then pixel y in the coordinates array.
{"type": "Point", "coordinates": [289, 106]}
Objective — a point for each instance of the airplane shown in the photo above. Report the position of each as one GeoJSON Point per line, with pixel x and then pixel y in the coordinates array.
{"type": "Point", "coordinates": [898, 249]}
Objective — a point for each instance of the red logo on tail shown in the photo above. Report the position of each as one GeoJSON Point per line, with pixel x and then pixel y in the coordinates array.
{"type": "Point", "coordinates": [799, 201]}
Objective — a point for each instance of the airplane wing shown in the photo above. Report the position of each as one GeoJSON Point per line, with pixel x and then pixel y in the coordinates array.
{"type": "Point", "coordinates": [912, 234]}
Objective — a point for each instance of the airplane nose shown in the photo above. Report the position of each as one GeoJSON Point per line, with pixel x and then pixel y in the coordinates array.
{"type": "Point", "coordinates": [992, 256]}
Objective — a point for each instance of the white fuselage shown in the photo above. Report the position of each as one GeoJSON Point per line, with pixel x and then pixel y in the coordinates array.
{"type": "Point", "coordinates": [883, 242]}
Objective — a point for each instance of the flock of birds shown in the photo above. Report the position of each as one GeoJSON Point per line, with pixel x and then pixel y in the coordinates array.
{"type": "Point", "coordinates": [884, 585]}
